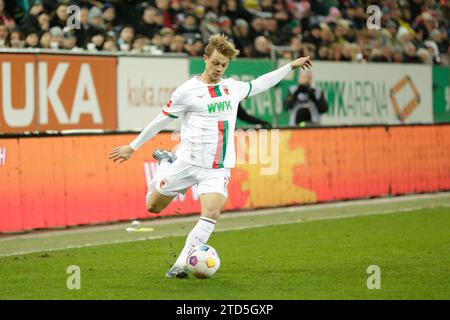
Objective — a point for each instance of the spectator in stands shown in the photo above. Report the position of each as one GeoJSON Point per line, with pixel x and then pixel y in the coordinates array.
{"type": "Point", "coordinates": [148, 26]}
{"type": "Point", "coordinates": [199, 13]}
{"type": "Point", "coordinates": [45, 39]}
{"type": "Point", "coordinates": [189, 28]}
{"type": "Point", "coordinates": [271, 31]}
{"type": "Point", "coordinates": [429, 22]}
{"type": "Point", "coordinates": [334, 15]}
{"type": "Point", "coordinates": [5, 18]}
{"type": "Point", "coordinates": [167, 35]}
{"type": "Point", "coordinates": [225, 25]}
{"type": "Point", "coordinates": [438, 37]}
{"type": "Point", "coordinates": [29, 22]}
{"type": "Point", "coordinates": [96, 40]}
{"type": "Point", "coordinates": [343, 32]}
{"type": "Point", "coordinates": [261, 48]}
{"type": "Point", "coordinates": [346, 52]}
{"type": "Point", "coordinates": [304, 102]}
{"type": "Point", "coordinates": [400, 18]}
{"type": "Point", "coordinates": [32, 40]}
{"type": "Point", "coordinates": [127, 11]}
{"type": "Point", "coordinates": [242, 38]}
{"type": "Point", "coordinates": [108, 16]}
{"type": "Point", "coordinates": [177, 45]}
{"type": "Point", "coordinates": [60, 17]}
{"type": "Point", "coordinates": [234, 10]}
{"type": "Point", "coordinates": [313, 35]}
{"type": "Point", "coordinates": [256, 28]}
{"type": "Point", "coordinates": [3, 35]}
{"type": "Point", "coordinates": [404, 36]}
{"type": "Point", "coordinates": [43, 19]}
{"type": "Point", "coordinates": [15, 39]}
{"type": "Point", "coordinates": [163, 6]}
{"type": "Point", "coordinates": [417, 38]}
{"type": "Point", "coordinates": [211, 5]}
{"type": "Point", "coordinates": [424, 56]}
{"type": "Point", "coordinates": [95, 19]}
{"type": "Point", "coordinates": [194, 47]}
{"type": "Point", "coordinates": [433, 49]}
{"type": "Point", "coordinates": [335, 30]}
{"type": "Point", "coordinates": [125, 38]}
{"type": "Point", "coordinates": [351, 14]}
{"type": "Point", "coordinates": [83, 32]}
{"type": "Point", "coordinates": [139, 43]}
{"type": "Point", "coordinates": [110, 44]}
{"type": "Point", "coordinates": [187, 6]}
{"type": "Point", "coordinates": [336, 52]}
{"type": "Point", "coordinates": [56, 37]}
{"type": "Point", "coordinates": [281, 14]}
{"type": "Point", "coordinates": [69, 41]}
{"type": "Point", "coordinates": [324, 53]}
{"type": "Point", "coordinates": [326, 35]}
{"type": "Point", "coordinates": [384, 55]}
{"type": "Point", "coordinates": [390, 35]}
{"type": "Point", "coordinates": [308, 49]}
{"type": "Point", "coordinates": [209, 26]}
{"type": "Point", "coordinates": [397, 55]}
{"type": "Point", "coordinates": [151, 22]}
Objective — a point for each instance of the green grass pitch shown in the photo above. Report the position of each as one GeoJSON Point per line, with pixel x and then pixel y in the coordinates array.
{"type": "Point", "coordinates": [325, 259]}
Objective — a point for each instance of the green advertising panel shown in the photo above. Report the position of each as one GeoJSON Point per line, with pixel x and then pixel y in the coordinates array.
{"type": "Point", "coordinates": [356, 94]}
{"type": "Point", "coordinates": [266, 105]}
{"type": "Point", "coordinates": [441, 94]}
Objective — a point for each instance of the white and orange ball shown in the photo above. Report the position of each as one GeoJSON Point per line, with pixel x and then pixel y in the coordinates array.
{"type": "Point", "coordinates": [203, 261]}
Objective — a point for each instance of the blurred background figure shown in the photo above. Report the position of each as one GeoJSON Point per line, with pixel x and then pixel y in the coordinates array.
{"type": "Point", "coordinates": [244, 116]}
{"type": "Point", "coordinates": [304, 102]}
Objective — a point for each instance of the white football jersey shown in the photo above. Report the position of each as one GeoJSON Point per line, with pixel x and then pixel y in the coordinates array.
{"type": "Point", "coordinates": [208, 115]}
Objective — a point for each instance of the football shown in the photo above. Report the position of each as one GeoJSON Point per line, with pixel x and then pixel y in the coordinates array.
{"type": "Point", "coordinates": [203, 261]}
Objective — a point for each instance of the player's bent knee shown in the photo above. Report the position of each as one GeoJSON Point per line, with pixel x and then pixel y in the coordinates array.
{"type": "Point", "coordinates": [212, 214]}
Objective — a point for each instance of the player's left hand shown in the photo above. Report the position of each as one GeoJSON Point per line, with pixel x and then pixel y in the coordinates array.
{"type": "Point", "coordinates": [303, 62]}
{"type": "Point", "coordinates": [121, 154]}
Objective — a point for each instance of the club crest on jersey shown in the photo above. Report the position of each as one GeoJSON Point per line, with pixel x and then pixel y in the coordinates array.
{"type": "Point", "coordinates": [226, 90]}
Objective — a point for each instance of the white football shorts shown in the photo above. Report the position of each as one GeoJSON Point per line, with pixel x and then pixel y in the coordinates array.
{"type": "Point", "coordinates": [179, 176]}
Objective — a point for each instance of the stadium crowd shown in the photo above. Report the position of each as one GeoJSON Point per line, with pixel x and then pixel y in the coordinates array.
{"type": "Point", "coordinates": [414, 31]}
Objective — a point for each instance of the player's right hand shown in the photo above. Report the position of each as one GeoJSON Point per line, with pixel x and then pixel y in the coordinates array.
{"type": "Point", "coordinates": [121, 154]}
{"type": "Point", "coordinates": [303, 62]}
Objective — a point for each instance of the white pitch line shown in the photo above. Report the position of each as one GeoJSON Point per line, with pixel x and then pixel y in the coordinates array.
{"type": "Point", "coordinates": [299, 220]}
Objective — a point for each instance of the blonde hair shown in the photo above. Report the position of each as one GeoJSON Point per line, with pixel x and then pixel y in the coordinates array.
{"type": "Point", "coordinates": [220, 43]}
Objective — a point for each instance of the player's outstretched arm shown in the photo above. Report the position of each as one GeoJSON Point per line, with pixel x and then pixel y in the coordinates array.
{"type": "Point", "coordinates": [124, 153]}
{"type": "Point", "coordinates": [268, 80]}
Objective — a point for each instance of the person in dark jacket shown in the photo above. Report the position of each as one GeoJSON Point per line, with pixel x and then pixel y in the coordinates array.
{"type": "Point", "coordinates": [304, 102]}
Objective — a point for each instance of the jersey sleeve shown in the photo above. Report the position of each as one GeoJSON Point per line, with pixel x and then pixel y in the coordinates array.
{"type": "Point", "coordinates": [177, 105]}
{"type": "Point", "coordinates": [243, 88]}
{"type": "Point", "coordinates": [262, 83]}
{"type": "Point", "coordinates": [268, 80]}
